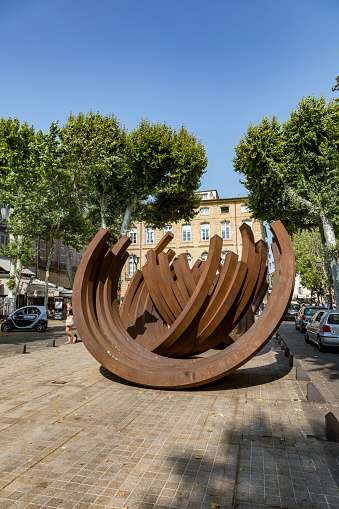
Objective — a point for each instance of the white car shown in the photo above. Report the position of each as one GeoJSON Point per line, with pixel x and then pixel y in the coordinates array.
{"type": "Point", "coordinates": [323, 329]}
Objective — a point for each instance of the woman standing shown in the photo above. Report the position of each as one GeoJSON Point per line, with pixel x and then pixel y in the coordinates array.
{"type": "Point", "coordinates": [72, 338]}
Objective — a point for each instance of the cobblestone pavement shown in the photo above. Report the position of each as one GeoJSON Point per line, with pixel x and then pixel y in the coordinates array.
{"type": "Point", "coordinates": [75, 436]}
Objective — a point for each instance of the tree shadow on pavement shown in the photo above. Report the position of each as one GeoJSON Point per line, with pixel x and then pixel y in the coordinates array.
{"type": "Point", "coordinates": [251, 464]}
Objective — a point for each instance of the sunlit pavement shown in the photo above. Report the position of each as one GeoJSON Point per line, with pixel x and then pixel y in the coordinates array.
{"type": "Point", "coordinates": [74, 436]}
{"type": "Point", "coordinates": [10, 341]}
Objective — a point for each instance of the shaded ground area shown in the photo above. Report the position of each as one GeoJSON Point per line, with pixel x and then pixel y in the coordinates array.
{"type": "Point", "coordinates": [75, 436]}
{"type": "Point", "coordinates": [322, 367]}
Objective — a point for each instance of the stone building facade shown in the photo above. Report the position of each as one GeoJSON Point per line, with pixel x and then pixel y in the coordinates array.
{"type": "Point", "coordinates": [221, 216]}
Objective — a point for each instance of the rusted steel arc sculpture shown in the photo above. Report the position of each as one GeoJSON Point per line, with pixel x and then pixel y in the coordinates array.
{"type": "Point", "coordinates": [171, 312]}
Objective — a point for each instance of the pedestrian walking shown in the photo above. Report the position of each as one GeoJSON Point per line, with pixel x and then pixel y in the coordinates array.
{"type": "Point", "coordinates": [72, 338]}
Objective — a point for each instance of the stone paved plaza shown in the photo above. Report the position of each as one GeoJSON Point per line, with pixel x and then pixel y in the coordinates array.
{"type": "Point", "coordinates": [72, 435]}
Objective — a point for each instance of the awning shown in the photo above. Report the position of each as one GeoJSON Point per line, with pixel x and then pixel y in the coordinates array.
{"type": "Point", "coordinates": [5, 268]}
{"type": "Point", "coordinates": [36, 288]}
{"type": "Point", "coordinates": [39, 291]}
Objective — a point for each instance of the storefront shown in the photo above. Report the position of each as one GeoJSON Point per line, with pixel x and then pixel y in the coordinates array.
{"type": "Point", "coordinates": [57, 298]}
{"type": "Point", "coordinates": [31, 292]}
{"type": "Point", "coordinates": [7, 305]}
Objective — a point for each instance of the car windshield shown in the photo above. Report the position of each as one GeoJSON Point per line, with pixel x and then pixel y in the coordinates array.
{"type": "Point", "coordinates": [334, 319]}
{"type": "Point", "coordinates": [27, 311]}
{"type": "Point", "coordinates": [294, 306]}
{"type": "Point", "coordinates": [310, 311]}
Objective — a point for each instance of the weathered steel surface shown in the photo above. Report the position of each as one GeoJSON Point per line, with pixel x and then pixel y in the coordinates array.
{"type": "Point", "coordinates": [172, 314]}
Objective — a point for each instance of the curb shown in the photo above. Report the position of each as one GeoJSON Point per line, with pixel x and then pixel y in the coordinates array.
{"type": "Point", "coordinates": [313, 393]}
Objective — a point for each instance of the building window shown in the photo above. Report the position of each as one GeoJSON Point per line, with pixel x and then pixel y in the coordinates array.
{"type": "Point", "coordinates": [133, 235]}
{"type": "Point", "coordinates": [248, 222]}
{"type": "Point", "coordinates": [223, 256]}
{"type": "Point", "coordinates": [42, 250]}
{"type": "Point", "coordinates": [71, 253]}
{"type": "Point", "coordinates": [168, 228]}
{"type": "Point", "coordinates": [132, 265]}
{"type": "Point", "coordinates": [186, 232]}
{"type": "Point", "coordinates": [205, 231]}
{"type": "Point", "coordinates": [149, 235]}
{"type": "Point", "coordinates": [224, 210]}
{"type": "Point", "coordinates": [204, 196]}
{"type": "Point", "coordinates": [204, 211]}
{"type": "Point", "coordinates": [225, 230]}
{"type": "Point", "coordinates": [3, 240]}
{"type": "Point", "coordinates": [62, 255]}
{"type": "Point", "coordinates": [203, 257]}
{"type": "Point", "coordinates": [244, 208]}
{"type": "Point", "coordinates": [54, 252]}
{"type": "Point", "coordinates": [189, 259]}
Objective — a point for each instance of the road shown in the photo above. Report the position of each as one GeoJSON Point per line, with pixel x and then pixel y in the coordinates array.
{"type": "Point", "coordinates": [10, 341]}
{"type": "Point", "coordinates": [323, 367]}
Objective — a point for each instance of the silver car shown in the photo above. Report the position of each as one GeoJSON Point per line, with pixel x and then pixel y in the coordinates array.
{"type": "Point", "coordinates": [323, 329]}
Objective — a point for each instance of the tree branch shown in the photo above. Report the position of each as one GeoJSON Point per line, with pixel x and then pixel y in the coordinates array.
{"type": "Point", "coordinates": [296, 197]}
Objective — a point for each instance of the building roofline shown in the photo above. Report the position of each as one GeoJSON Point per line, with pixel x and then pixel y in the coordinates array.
{"type": "Point", "coordinates": [240, 198]}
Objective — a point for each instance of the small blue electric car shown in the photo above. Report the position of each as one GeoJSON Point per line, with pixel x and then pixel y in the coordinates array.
{"type": "Point", "coordinates": [28, 317]}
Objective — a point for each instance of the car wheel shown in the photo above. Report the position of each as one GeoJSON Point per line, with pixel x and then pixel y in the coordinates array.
{"type": "Point", "coordinates": [307, 339]}
{"type": "Point", "coordinates": [40, 327]}
{"type": "Point", "coordinates": [6, 327]}
{"type": "Point", "coordinates": [320, 345]}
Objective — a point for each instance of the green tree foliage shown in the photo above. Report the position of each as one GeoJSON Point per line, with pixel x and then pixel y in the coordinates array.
{"type": "Point", "coordinates": [164, 171]}
{"type": "Point", "coordinates": [59, 209]}
{"type": "Point", "coordinates": [292, 172]}
{"type": "Point", "coordinates": [93, 148]}
{"type": "Point", "coordinates": [308, 250]}
{"type": "Point", "coordinates": [336, 86]}
{"type": "Point", "coordinates": [91, 173]}
{"type": "Point", "coordinates": [149, 174]}
{"type": "Point", "coordinates": [16, 180]}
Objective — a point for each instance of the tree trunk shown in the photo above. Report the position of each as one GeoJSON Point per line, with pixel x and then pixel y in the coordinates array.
{"type": "Point", "coordinates": [11, 293]}
{"type": "Point", "coordinates": [48, 265]}
{"type": "Point", "coordinates": [127, 219]}
{"type": "Point", "coordinates": [69, 266]}
{"type": "Point", "coordinates": [102, 212]}
{"type": "Point", "coordinates": [327, 230]}
{"type": "Point", "coordinates": [18, 269]}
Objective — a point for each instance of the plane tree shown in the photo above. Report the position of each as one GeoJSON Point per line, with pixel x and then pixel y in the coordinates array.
{"type": "Point", "coordinates": [92, 148]}
{"type": "Point", "coordinates": [16, 180]}
{"type": "Point", "coordinates": [164, 168]}
{"type": "Point", "coordinates": [150, 174]}
{"type": "Point", "coordinates": [308, 251]}
{"type": "Point", "coordinates": [291, 171]}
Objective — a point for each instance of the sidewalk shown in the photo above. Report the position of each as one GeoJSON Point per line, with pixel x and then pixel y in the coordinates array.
{"type": "Point", "coordinates": [75, 436]}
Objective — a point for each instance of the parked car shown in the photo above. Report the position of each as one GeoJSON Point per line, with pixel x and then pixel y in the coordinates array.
{"type": "Point", "coordinates": [323, 329]}
{"type": "Point", "coordinates": [304, 316]}
{"type": "Point", "coordinates": [28, 317]}
{"type": "Point", "coordinates": [292, 311]}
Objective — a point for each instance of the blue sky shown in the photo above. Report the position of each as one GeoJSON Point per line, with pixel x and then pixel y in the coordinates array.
{"type": "Point", "coordinates": [214, 66]}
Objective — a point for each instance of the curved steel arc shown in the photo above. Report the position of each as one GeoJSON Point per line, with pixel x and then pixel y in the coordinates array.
{"type": "Point", "coordinates": [200, 299]}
